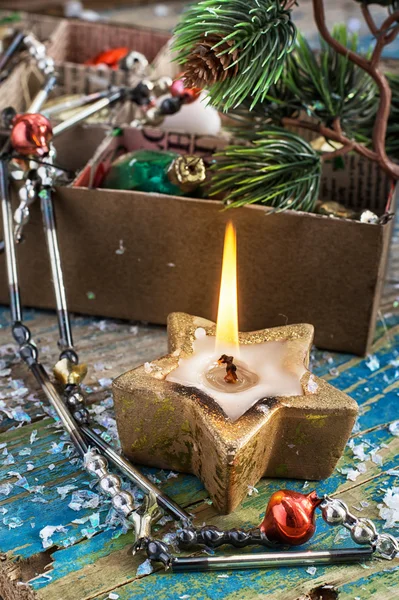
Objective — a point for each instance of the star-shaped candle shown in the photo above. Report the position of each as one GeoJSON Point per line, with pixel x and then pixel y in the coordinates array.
{"type": "Point", "coordinates": [233, 407]}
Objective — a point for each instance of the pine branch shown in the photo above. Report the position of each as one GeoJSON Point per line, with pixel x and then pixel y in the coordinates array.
{"type": "Point", "coordinates": [273, 167]}
{"type": "Point", "coordinates": [250, 43]}
{"type": "Point", "coordinates": [329, 85]}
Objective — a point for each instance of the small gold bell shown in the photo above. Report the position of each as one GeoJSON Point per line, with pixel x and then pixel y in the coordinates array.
{"type": "Point", "coordinates": [68, 373]}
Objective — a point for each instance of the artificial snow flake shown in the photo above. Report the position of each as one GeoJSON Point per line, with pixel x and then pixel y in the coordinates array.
{"type": "Point", "coordinates": [113, 596]}
{"type": "Point", "coordinates": [390, 512]}
{"type": "Point", "coordinates": [33, 436]}
{"type": "Point", "coordinates": [64, 490]}
{"type": "Point", "coordinates": [5, 489]}
{"type": "Point", "coordinates": [9, 460]}
{"type": "Point", "coordinates": [394, 428]}
{"type": "Point", "coordinates": [145, 568]}
{"type": "Point", "coordinates": [121, 249]}
{"type": "Point", "coordinates": [56, 448]}
{"type": "Point", "coordinates": [22, 482]}
{"type": "Point", "coordinates": [372, 363]}
{"type": "Point", "coordinates": [376, 458]}
{"type": "Point", "coordinates": [25, 452]}
{"type": "Point", "coordinates": [312, 385]}
{"type": "Point", "coordinates": [252, 490]}
{"type": "Point", "coordinates": [358, 450]}
{"type": "Point", "coordinates": [13, 522]}
{"type": "Point", "coordinates": [30, 466]}
{"type": "Point", "coordinates": [311, 570]}
{"type": "Point", "coordinates": [51, 467]}
{"type": "Point", "coordinates": [84, 499]}
{"type": "Point", "coordinates": [48, 531]}
{"type": "Point", "coordinates": [352, 474]}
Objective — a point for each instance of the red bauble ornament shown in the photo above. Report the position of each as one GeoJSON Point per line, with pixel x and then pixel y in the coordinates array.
{"type": "Point", "coordinates": [188, 95]}
{"type": "Point", "coordinates": [290, 517]}
{"type": "Point", "coordinates": [110, 58]}
{"type": "Point", "coordinates": [31, 134]}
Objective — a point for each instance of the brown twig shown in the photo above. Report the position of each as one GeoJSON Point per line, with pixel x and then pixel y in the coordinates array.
{"type": "Point", "coordinates": [331, 134]}
{"type": "Point", "coordinates": [372, 68]}
{"type": "Point", "coordinates": [369, 20]}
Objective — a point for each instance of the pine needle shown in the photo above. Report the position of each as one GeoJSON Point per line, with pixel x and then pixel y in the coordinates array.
{"type": "Point", "coordinates": [273, 167]}
{"type": "Point", "coordinates": [260, 31]}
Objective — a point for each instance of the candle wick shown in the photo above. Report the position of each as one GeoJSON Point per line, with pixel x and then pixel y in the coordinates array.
{"type": "Point", "coordinates": [231, 369]}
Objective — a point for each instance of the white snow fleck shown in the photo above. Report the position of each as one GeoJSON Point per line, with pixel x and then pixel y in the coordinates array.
{"type": "Point", "coordinates": [311, 570]}
{"type": "Point", "coordinates": [312, 385]}
{"type": "Point", "coordinates": [372, 363]}
{"type": "Point", "coordinates": [145, 568]}
{"type": "Point", "coordinates": [121, 249]}
{"type": "Point", "coordinates": [376, 458]}
{"type": "Point", "coordinates": [5, 489]}
{"type": "Point", "coordinates": [64, 490]}
{"type": "Point", "coordinates": [394, 428]}
{"type": "Point", "coordinates": [390, 512]}
{"type": "Point", "coordinates": [252, 490]}
{"type": "Point", "coordinates": [113, 596]}
{"type": "Point", "coordinates": [48, 531]}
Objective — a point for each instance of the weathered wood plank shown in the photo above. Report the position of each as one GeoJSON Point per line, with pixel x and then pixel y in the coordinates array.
{"type": "Point", "coordinates": [89, 569]}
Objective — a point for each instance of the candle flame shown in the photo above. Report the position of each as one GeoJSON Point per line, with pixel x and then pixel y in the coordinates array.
{"type": "Point", "coordinates": [227, 321]}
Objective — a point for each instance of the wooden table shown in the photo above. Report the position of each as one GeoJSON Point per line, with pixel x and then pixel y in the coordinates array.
{"type": "Point", "coordinates": [87, 562]}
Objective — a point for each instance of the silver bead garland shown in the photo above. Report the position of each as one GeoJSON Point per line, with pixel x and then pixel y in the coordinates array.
{"type": "Point", "coordinates": [363, 531]}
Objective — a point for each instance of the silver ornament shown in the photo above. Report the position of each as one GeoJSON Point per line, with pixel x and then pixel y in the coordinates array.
{"type": "Point", "coordinates": [363, 532]}
{"type": "Point", "coordinates": [96, 465]}
{"type": "Point", "coordinates": [123, 503]}
{"type": "Point", "coordinates": [334, 512]}
{"type": "Point", "coordinates": [110, 484]}
{"type": "Point", "coordinates": [162, 85]}
{"type": "Point", "coordinates": [387, 546]}
{"type": "Point", "coordinates": [75, 399]}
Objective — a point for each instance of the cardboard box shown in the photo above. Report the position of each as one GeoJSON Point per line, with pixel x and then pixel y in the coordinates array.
{"type": "Point", "coordinates": [78, 41]}
{"type": "Point", "coordinates": [293, 267]}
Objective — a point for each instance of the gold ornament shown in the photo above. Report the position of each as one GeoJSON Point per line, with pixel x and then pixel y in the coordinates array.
{"type": "Point", "coordinates": [335, 209]}
{"type": "Point", "coordinates": [67, 373]}
{"type": "Point", "coordinates": [170, 426]}
{"type": "Point", "coordinates": [187, 172]}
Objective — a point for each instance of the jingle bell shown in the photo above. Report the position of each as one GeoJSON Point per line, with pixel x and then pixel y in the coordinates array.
{"type": "Point", "coordinates": [290, 517]}
{"type": "Point", "coordinates": [31, 134]}
{"type": "Point", "coordinates": [69, 374]}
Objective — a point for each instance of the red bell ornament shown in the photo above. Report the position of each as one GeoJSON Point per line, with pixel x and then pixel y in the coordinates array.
{"type": "Point", "coordinates": [31, 134]}
{"type": "Point", "coordinates": [290, 517]}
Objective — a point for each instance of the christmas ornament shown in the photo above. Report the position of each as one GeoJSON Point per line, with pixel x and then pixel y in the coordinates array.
{"type": "Point", "coordinates": [156, 171]}
{"type": "Point", "coordinates": [180, 89]}
{"type": "Point", "coordinates": [66, 372]}
{"type": "Point", "coordinates": [290, 517]}
{"type": "Point", "coordinates": [334, 209]}
{"type": "Point", "coordinates": [120, 58]}
{"type": "Point", "coordinates": [31, 134]}
{"type": "Point", "coordinates": [301, 508]}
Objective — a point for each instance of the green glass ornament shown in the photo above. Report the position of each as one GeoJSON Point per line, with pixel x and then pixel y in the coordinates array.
{"type": "Point", "coordinates": [157, 171]}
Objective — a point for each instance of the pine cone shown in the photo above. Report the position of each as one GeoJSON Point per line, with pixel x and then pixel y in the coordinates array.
{"type": "Point", "coordinates": [205, 66]}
